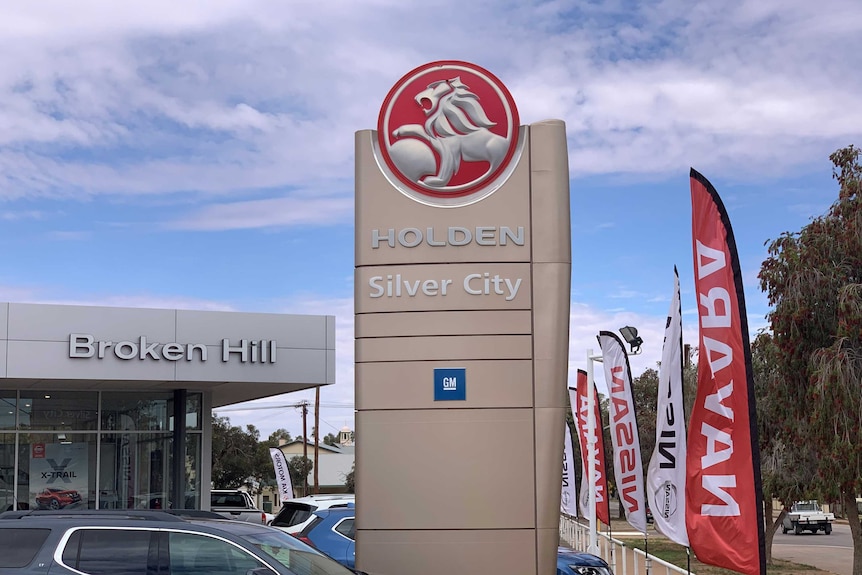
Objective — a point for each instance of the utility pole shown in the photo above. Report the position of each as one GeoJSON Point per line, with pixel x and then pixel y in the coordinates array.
{"type": "Point", "coordinates": [316, 437]}
{"type": "Point", "coordinates": [304, 405]}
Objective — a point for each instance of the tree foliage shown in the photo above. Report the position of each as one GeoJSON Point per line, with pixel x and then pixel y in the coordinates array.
{"type": "Point", "coordinates": [350, 479]}
{"type": "Point", "coordinates": [786, 468]}
{"type": "Point", "coordinates": [300, 467]}
{"type": "Point", "coordinates": [237, 458]}
{"type": "Point", "coordinates": [645, 394]}
{"type": "Point", "coordinates": [280, 434]}
{"type": "Point", "coordinates": [813, 279]}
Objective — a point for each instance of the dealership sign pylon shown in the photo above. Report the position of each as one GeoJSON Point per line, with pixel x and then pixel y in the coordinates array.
{"type": "Point", "coordinates": [462, 282]}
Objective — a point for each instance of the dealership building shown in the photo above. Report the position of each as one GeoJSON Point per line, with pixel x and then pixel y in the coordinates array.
{"type": "Point", "coordinates": [110, 408]}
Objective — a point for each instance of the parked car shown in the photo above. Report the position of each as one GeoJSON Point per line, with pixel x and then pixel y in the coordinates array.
{"type": "Point", "coordinates": [332, 532]}
{"type": "Point", "coordinates": [570, 562]}
{"type": "Point", "coordinates": [236, 504]}
{"type": "Point", "coordinates": [295, 514]}
{"type": "Point", "coordinates": [807, 516]}
{"type": "Point", "coordinates": [127, 542]}
{"type": "Point", "coordinates": [57, 498]}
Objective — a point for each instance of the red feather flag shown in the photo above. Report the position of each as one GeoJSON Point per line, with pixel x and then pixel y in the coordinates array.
{"type": "Point", "coordinates": [724, 494]}
{"type": "Point", "coordinates": [580, 406]}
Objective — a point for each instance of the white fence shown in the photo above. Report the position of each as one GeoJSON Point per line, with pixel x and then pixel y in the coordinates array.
{"type": "Point", "coordinates": [624, 560]}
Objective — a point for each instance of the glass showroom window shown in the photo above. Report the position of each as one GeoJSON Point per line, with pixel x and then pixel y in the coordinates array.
{"type": "Point", "coordinates": [135, 471]}
{"type": "Point", "coordinates": [130, 411]}
{"type": "Point", "coordinates": [58, 410]}
{"type": "Point", "coordinates": [8, 407]}
{"type": "Point", "coordinates": [112, 450]}
{"type": "Point", "coordinates": [57, 470]}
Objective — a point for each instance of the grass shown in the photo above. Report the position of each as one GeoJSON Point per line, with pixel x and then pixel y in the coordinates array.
{"type": "Point", "coordinates": [676, 555]}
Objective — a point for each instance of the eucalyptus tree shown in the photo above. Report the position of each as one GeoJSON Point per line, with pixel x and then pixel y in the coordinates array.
{"type": "Point", "coordinates": [813, 279]}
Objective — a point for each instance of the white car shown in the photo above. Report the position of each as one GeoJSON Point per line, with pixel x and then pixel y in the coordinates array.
{"type": "Point", "coordinates": [295, 514]}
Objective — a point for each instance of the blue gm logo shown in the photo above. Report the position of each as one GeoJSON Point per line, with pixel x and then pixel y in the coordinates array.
{"type": "Point", "coordinates": [450, 384]}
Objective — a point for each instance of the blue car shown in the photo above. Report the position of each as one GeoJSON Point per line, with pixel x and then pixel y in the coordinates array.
{"type": "Point", "coordinates": [570, 562]}
{"type": "Point", "coordinates": [332, 532]}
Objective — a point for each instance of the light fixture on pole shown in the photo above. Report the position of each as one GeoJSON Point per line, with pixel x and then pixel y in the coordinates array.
{"type": "Point", "coordinates": [630, 334]}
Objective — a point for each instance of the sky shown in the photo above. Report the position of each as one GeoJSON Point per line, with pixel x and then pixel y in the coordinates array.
{"type": "Point", "coordinates": [199, 154]}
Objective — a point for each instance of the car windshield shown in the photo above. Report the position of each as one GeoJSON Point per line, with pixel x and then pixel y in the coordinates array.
{"type": "Point", "coordinates": [808, 506]}
{"type": "Point", "coordinates": [294, 554]}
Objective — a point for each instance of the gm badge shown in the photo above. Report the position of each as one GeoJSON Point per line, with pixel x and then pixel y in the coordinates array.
{"type": "Point", "coordinates": [450, 384]}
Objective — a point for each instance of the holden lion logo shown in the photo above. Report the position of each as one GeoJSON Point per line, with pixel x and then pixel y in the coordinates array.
{"type": "Point", "coordinates": [448, 134]}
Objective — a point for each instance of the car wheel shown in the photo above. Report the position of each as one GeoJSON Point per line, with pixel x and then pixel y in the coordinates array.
{"type": "Point", "coordinates": [55, 505]}
{"type": "Point", "coordinates": [827, 529]}
{"type": "Point", "coordinates": [784, 530]}
{"type": "Point", "coordinates": [797, 529]}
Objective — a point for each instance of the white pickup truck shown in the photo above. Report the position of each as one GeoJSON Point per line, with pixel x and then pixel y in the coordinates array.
{"type": "Point", "coordinates": [236, 504]}
{"type": "Point", "coordinates": [807, 516]}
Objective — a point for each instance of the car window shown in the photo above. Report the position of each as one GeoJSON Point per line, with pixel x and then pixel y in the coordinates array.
{"type": "Point", "coordinates": [295, 555]}
{"type": "Point", "coordinates": [21, 545]}
{"type": "Point", "coordinates": [109, 551]}
{"type": "Point", "coordinates": [293, 514]}
{"type": "Point", "coordinates": [346, 528]}
{"type": "Point", "coordinates": [193, 554]}
{"type": "Point", "coordinates": [227, 500]}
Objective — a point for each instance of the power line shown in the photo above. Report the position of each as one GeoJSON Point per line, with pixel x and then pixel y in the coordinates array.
{"type": "Point", "coordinates": [284, 406]}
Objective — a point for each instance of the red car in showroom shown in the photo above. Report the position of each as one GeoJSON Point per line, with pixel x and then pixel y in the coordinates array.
{"type": "Point", "coordinates": [56, 498]}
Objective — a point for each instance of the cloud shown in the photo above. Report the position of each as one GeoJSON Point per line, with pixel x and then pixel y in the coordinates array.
{"type": "Point", "coordinates": [12, 216]}
{"type": "Point", "coordinates": [70, 235]}
{"type": "Point", "coordinates": [231, 96]}
{"type": "Point", "coordinates": [267, 213]}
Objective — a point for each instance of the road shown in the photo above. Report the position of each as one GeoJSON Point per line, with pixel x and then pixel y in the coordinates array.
{"type": "Point", "coordinates": [833, 552]}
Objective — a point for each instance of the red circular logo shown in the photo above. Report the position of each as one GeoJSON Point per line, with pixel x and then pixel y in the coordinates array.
{"type": "Point", "coordinates": [447, 133]}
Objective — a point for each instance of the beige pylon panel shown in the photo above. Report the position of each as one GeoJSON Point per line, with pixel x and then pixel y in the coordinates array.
{"type": "Point", "coordinates": [549, 198]}
{"type": "Point", "coordinates": [447, 469]}
{"type": "Point", "coordinates": [432, 552]}
{"type": "Point", "coordinates": [445, 348]}
{"type": "Point", "coordinates": [547, 542]}
{"type": "Point", "coordinates": [550, 212]}
{"type": "Point", "coordinates": [470, 322]}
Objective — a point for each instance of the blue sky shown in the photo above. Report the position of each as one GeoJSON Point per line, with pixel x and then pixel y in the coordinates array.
{"type": "Point", "coordinates": [199, 154]}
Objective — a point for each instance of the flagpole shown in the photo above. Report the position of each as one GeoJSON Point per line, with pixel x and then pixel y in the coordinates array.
{"type": "Point", "coordinates": [591, 443]}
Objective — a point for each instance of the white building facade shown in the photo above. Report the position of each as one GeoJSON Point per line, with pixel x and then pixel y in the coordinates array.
{"type": "Point", "coordinates": [110, 408]}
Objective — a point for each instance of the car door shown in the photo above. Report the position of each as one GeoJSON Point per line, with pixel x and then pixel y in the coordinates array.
{"type": "Point", "coordinates": [346, 530]}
